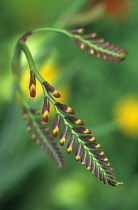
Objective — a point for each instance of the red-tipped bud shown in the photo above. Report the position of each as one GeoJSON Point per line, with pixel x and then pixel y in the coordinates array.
{"type": "Point", "coordinates": [51, 90]}
{"type": "Point", "coordinates": [65, 108]}
{"type": "Point", "coordinates": [81, 130]}
{"type": "Point", "coordinates": [92, 145]}
{"type": "Point", "coordinates": [71, 144]}
{"type": "Point", "coordinates": [91, 35]}
{"type": "Point", "coordinates": [104, 163]}
{"type": "Point", "coordinates": [107, 168]}
{"type": "Point", "coordinates": [110, 173]}
{"type": "Point", "coordinates": [76, 30]}
{"type": "Point", "coordinates": [63, 135]}
{"type": "Point", "coordinates": [88, 138]}
{"type": "Point", "coordinates": [32, 84]}
{"type": "Point", "coordinates": [56, 125]}
{"type": "Point", "coordinates": [97, 152]}
{"type": "Point", "coordinates": [89, 161]}
{"type": "Point", "coordinates": [78, 152]}
{"type": "Point", "coordinates": [24, 114]}
{"type": "Point", "coordinates": [83, 159]}
{"type": "Point", "coordinates": [100, 157]}
{"type": "Point", "coordinates": [79, 43]}
{"type": "Point", "coordinates": [74, 120]}
{"type": "Point", "coordinates": [46, 109]}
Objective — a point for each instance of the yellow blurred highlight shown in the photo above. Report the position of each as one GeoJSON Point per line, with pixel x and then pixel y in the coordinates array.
{"type": "Point", "coordinates": [126, 113]}
{"type": "Point", "coordinates": [51, 73]}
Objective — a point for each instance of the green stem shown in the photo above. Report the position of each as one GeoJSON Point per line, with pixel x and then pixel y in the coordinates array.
{"type": "Point", "coordinates": [53, 30]}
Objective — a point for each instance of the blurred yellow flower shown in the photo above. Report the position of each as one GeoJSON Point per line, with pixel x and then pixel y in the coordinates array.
{"type": "Point", "coordinates": [126, 113]}
{"type": "Point", "coordinates": [51, 73]}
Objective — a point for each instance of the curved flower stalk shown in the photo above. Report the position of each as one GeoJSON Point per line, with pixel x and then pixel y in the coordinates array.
{"type": "Point", "coordinates": [88, 151]}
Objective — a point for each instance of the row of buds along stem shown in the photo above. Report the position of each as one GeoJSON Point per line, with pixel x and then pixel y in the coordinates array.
{"type": "Point", "coordinates": [40, 132]}
{"type": "Point", "coordinates": [51, 90]}
{"type": "Point", "coordinates": [87, 150]}
{"type": "Point", "coordinates": [98, 47]}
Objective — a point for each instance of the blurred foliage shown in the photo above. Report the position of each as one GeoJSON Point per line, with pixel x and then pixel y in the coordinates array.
{"type": "Point", "coordinates": [28, 178]}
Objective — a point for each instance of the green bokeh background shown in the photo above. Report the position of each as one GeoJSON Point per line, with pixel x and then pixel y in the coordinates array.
{"type": "Point", "coordinates": [29, 180]}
